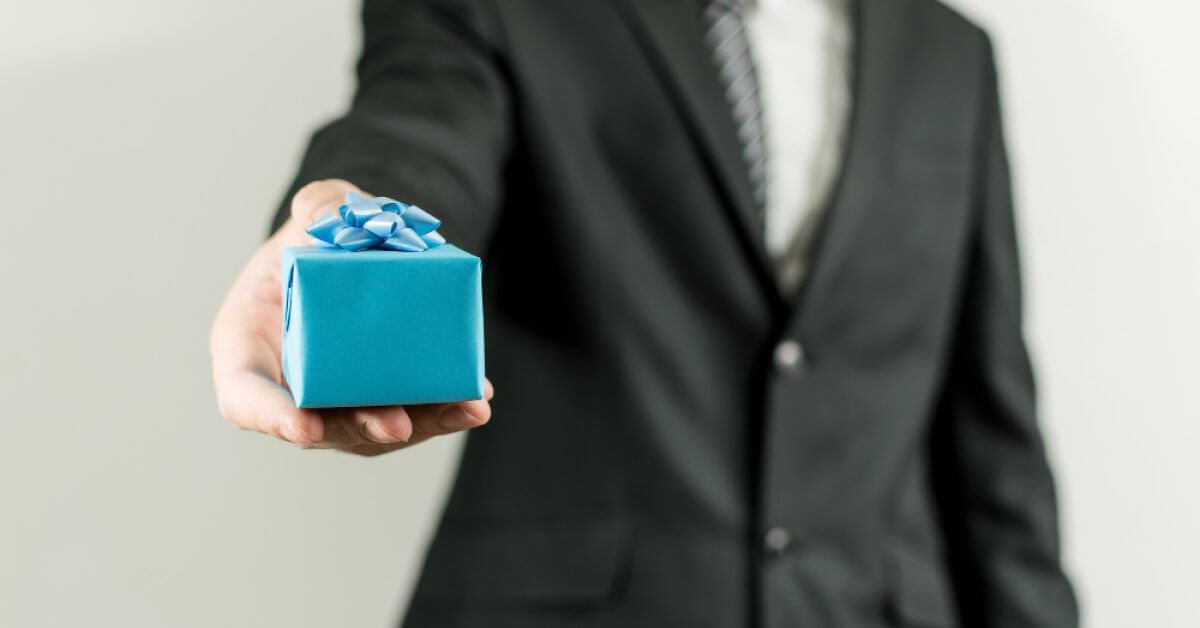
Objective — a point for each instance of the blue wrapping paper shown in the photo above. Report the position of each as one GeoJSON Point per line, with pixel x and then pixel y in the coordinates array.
{"type": "Point", "coordinates": [380, 326]}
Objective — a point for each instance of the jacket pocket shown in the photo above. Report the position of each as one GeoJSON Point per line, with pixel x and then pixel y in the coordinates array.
{"type": "Point", "coordinates": [918, 590]}
{"type": "Point", "coordinates": [558, 560]}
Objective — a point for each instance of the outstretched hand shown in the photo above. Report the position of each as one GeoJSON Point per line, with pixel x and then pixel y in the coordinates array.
{"type": "Point", "coordinates": [245, 347]}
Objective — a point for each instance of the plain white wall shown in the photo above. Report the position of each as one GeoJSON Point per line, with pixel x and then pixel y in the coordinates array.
{"type": "Point", "coordinates": [143, 144]}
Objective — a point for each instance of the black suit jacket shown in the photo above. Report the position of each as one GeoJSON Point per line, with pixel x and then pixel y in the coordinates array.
{"type": "Point", "coordinates": [651, 463]}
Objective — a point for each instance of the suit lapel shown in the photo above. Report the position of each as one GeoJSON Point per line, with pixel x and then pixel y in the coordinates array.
{"type": "Point", "coordinates": [671, 34]}
{"type": "Point", "coordinates": [880, 56]}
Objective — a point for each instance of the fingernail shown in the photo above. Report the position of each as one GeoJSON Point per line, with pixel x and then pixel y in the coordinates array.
{"type": "Point", "coordinates": [456, 419]}
{"type": "Point", "coordinates": [290, 433]}
{"type": "Point", "coordinates": [374, 432]}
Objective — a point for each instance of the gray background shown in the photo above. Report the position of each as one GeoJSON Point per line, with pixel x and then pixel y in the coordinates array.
{"type": "Point", "coordinates": [143, 144]}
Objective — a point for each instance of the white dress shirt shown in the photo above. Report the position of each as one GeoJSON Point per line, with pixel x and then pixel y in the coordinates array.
{"type": "Point", "coordinates": [802, 50]}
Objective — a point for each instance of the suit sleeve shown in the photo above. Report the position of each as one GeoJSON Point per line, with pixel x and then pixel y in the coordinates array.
{"type": "Point", "coordinates": [994, 487]}
{"type": "Point", "coordinates": [429, 122]}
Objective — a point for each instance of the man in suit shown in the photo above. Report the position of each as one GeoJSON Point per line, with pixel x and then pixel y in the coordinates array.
{"type": "Point", "coordinates": [752, 303]}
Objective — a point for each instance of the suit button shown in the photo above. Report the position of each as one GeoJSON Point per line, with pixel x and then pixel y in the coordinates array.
{"type": "Point", "coordinates": [776, 541]}
{"type": "Point", "coordinates": [789, 358]}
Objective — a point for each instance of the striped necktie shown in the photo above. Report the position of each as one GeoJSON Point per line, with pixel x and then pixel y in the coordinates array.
{"type": "Point", "coordinates": [726, 37]}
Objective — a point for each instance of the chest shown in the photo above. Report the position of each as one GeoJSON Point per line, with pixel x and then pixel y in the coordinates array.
{"type": "Point", "coordinates": [634, 168]}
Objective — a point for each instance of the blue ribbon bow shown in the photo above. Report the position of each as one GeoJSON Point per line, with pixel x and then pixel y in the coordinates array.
{"type": "Point", "coordinates": [363, 223]}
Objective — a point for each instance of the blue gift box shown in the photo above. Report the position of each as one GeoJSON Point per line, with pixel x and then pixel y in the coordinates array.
{"type": "Point", "coordinates": [382, 327]}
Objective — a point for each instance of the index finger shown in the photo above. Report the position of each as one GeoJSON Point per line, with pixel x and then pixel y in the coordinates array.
{"type": "Point", "coordinates": [253, 402]}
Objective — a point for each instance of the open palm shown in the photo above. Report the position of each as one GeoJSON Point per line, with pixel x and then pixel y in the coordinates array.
{"type": "Point", "coordinates": [245, 347]}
